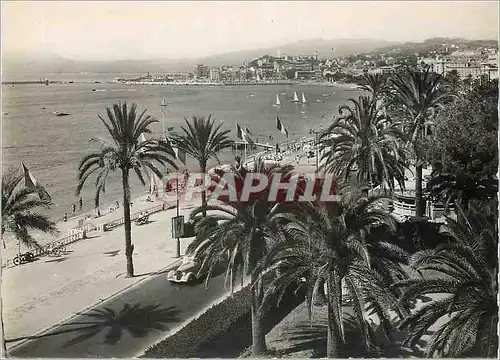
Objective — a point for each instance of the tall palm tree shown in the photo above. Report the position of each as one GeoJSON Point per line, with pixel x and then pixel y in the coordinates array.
{"type": "Point", "coordinates": [18, 217]}
{"type": "Point", "coordinates": [419, 94]}
{"type": "Point", "coordinates": [466, 270]}
{"type": "Point", "coordinates": [363, 140]}
{"type": "Point", "coordinates": [125, 152]}
{"type": "Point", "coordinates": [203, 140]}
{"type": "Point", "coordinates": [240, 232]}
{"type": "Point", "coordinates": [320, 247]}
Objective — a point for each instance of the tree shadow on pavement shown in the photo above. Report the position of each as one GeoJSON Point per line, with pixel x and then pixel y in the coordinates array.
{"type": "Point", "coordinates": [137, 320]}
{"type": "Point", "coordinates": [56, 260]}
{"type": "Point", "coordinates": [112, 253]}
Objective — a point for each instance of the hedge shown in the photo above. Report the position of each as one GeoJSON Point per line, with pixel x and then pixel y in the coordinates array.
{"type": "Point", "coordinates": [212, 323]}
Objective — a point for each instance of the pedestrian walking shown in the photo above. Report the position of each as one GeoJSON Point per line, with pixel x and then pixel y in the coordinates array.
{"type": "Point", "coordinates": [65, 217]}
{"type": "Point", "coordinates": [74, 208]}
{"type": "Point", "coordinates": [81, 203]}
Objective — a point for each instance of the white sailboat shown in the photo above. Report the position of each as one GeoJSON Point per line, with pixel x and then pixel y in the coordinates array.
{"type": "Point", "coordinates": [163, 102]}
{"type": "Point", "coordinates": [295, 97]}
{"type": "Point", "coordinates": [304, 100]}
{"type": "Point", "coordinates": [278, 102]}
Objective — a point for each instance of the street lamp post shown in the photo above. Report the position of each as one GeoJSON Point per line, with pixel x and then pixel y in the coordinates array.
{"type": "Point", "coordinates": [316, 145]}
{"type": "Point", "coordinates": [178, 248]}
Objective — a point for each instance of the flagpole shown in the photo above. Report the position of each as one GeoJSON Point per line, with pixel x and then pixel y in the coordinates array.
{"type": "Point", "coordinates": [244, 162]}
{"type": "Point", "coordinates": [163, 122]}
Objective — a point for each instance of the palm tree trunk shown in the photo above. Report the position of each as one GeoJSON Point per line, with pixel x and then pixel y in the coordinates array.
{"type": "Point", "coordinates": [204, 192]}
{"type": "Point", "coordinates": [334, 337]}
{"type": "Point", "coordinates": [129, 247]}
{"type": "Point", "coordinates": [258, 335]}
{"type": "Point", "coordinates": [419, 201]}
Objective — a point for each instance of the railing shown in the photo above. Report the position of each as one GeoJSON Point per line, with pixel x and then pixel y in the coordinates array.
{"type": "Point", "coordinates": [80, 233]}
{"type": "Point", "coordinates": [113, 224]}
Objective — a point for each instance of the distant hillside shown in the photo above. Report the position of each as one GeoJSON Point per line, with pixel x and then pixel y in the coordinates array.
{"type": "Point", "coordinates": [43, 63]}
{"type": "Point", "coordinates": [434, 44]}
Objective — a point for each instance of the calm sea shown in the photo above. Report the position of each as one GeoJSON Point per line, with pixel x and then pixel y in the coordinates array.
{"type": "Point", "coordinates": [52, 146]}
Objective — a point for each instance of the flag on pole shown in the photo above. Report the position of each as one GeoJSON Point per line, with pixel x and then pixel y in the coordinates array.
{"type": "Point", "coordinates": [281, 127]}
{"type": "Point", "coordinates": [31, 183]}
{"type": "Point", "coordinates": [171, 128]}
{"type": "Point", "coordinates": [243, 135]}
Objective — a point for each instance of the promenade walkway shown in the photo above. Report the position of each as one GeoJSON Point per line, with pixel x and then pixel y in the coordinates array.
{"type": "Point", "coordinates": [37, 295]}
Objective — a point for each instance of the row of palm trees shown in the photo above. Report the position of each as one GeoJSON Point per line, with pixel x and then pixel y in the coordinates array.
{"type": "Point", "coordinates": [330, 246]}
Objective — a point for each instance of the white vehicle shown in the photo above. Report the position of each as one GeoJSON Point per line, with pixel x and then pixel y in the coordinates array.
{"type": "Point", "coordinates": [187, 271]}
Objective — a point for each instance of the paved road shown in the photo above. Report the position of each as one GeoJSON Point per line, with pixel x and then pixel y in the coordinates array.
{"type": "Point", "coordinates": [127, 324]}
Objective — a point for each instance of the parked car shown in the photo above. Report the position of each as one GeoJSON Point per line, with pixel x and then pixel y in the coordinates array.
{"type": "Point", "coordinates": [188, 271]}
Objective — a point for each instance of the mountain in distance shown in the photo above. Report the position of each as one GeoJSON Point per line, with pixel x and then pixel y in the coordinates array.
{"type": "Point", "coordinates": [38, 63]}
{"type": "Point", "coordinates": [428, 46]}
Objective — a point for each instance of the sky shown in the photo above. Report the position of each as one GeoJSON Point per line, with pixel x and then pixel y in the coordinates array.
{"type": "Point", "coordinates": [99, 30]}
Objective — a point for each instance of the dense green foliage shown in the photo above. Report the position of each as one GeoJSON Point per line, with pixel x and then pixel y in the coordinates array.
{"type": "Point", "coordinates": [465, 271]}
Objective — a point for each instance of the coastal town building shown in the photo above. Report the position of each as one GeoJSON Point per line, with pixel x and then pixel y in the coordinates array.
{"type": "Point", "coordinates": [201, 71]}
{"type": "Point", "coordinates": [214, 74]}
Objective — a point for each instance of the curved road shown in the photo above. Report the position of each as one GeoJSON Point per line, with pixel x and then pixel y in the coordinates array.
{"type": "Point", "coordinates": [127, 324]}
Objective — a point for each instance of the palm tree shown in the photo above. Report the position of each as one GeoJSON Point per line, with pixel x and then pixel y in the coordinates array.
{"type": "Point", "coordinates": [125, 152]}
{"type": "Point", "coordinates": [366, 218]}
{"type": "Point", "coordinates": [18, 217]}
{"type": "Point", "coordinates": [362, 139]}
{"type": "Point", "coordinates": [18, 203]}
{"type": "Point", "coordinates": [375, 84]}
{"type": "Point", "coordinates": [240, 232]}
{"type": "Point", "coordinates": [420, 95]}
{"type": "Point", "coordinates": [202, 139]}
{"type": "Point", "coordinates": [466, 270]}
{"type": "Point", "coordinates": [321, 248]}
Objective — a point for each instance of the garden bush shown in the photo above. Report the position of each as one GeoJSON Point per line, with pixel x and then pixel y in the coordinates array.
{"type": "Point", "coordinates": [215, 321]}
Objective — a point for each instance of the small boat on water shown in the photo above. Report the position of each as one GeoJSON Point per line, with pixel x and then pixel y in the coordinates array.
{"type": "Point", "coordinates": [163, 102]}
{"type": "Point", "coordinates": [326, 95]}
{"type": "Point", "coordinates": [250, 95]}
{"type": "Point", "coordinates": [284, 93]}
{"type": "Point", "coordinates": [278, 102]}
{"type": "Point", "coordinates": [304, 100]}
{"type": "Point", "coordinates": [58, 113]}
{"type": "Point", "coordinates": [93, 89]}
{"type": "Point", "coordinates": [320, 100]}
{"type": "Point", "coordinates": [295, 97]}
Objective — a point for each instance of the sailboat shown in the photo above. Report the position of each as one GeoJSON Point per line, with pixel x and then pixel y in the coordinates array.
{"type": "Point", "coordinates": [163, 102]}
{"type": "Point", "coordinates": [304, 100]}
{"type": "Point", "coordinates": [295, 97]}
{"type": "Point", "coordinates": [278, 102]}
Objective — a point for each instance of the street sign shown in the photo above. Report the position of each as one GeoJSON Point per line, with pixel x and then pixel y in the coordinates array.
{"type": "Point", "coordinates": [178, 226]}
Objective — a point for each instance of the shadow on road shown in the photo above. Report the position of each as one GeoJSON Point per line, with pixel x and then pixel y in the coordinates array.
{"type": "Point", "coordinates": [137, 320]}
{"type": "Point", "coordinates": [112, 253]}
